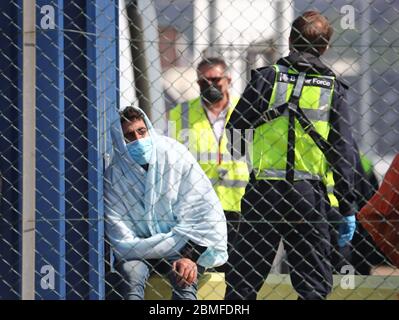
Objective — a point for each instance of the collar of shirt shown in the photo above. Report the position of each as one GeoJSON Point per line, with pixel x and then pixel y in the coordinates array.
{"type": "Point", "coordinates": [307, 62]}
{"type": "Point", "coordinates": [221, 116]}
{"type": "Point", "coordinates": [217, 122]}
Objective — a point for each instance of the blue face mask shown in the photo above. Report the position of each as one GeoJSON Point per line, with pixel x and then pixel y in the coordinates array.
{"type": "Point", "coordinates": [140, 150]}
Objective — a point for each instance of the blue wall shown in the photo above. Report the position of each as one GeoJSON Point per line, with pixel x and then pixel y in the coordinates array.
{"type": "Point", "coordinates": [77, 90]}
{"type": "Point", "coordinates": [10, 147]}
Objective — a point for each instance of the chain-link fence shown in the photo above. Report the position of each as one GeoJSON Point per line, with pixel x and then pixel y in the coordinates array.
{"type": "Point", "coordinates": [69, 231]}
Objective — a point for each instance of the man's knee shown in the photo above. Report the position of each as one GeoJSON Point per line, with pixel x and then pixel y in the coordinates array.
{"type": "Point", "coordinates": [135, 272]}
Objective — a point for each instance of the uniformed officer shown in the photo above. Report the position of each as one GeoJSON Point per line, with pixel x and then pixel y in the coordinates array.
{"type": "Point", "coordinates": [300, 118]}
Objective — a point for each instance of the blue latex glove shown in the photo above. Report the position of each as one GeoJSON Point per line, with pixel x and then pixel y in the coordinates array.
{"type": "Point", "coordinates": [346, 230]}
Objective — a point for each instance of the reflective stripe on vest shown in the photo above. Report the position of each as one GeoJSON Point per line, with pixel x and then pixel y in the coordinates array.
{"type": "Point", "coordinates": [211, 156]}
{"type": "Point", "coordinates": [280, 174]}
{"type": "Point", "coordinates": [315, 115]}
{"type": "Point", "coordinates": [184, 115]}
{"type": "Point", "coordinates": [329, 183]}
{"type": "Point", "coordinates": [270, 139]}
{"type": "Point", "coordinates": [229, 183]}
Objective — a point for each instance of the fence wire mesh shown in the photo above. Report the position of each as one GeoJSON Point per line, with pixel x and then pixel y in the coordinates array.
{"type": "Point", "coordinates": [106, 227]}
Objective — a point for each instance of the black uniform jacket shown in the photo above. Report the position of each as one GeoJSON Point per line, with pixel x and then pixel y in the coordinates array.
{"type": "Point", "coordinates": [256, 97]}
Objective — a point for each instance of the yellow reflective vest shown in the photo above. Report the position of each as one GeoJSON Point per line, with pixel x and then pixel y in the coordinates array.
{"type": "Point", "coordinates": [329, 183]}
{"type": "Point", "coordinates": [269, 154]}
{"type": "Point", "coordinates": [189, 124]}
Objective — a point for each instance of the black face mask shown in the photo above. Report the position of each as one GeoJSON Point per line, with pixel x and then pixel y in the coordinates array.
{"type": "Point", "coordinates": [210, 93]}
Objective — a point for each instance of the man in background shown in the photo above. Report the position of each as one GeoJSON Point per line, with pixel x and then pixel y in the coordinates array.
{"type": "Point", "coordinates": [200, 125]}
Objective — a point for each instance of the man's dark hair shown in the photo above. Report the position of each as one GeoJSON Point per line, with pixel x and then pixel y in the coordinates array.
{"type": "Point", "coordinates": [311, 32]}
{"type": "Point", "coordinates": [212, 61]}
{"type": "Point", "coordinates": [131, 114]}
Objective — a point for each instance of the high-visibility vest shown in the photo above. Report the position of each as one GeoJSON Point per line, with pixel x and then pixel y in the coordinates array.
{"type": "Point", "coordinates": [269, 154]}
{"type": "Point", "coordinates": [229, 177]}
{"type": "Point", "coordinates": [367, 165]}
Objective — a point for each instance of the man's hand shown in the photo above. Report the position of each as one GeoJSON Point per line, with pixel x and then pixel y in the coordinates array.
{"type": "Point", "coordinates": [185, 271]}
{"type": "Point", "coordinates": [346, 230]}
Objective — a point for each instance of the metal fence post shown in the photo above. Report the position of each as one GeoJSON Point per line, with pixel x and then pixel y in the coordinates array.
{"type": "Point", "coordinates": [29, 151]}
